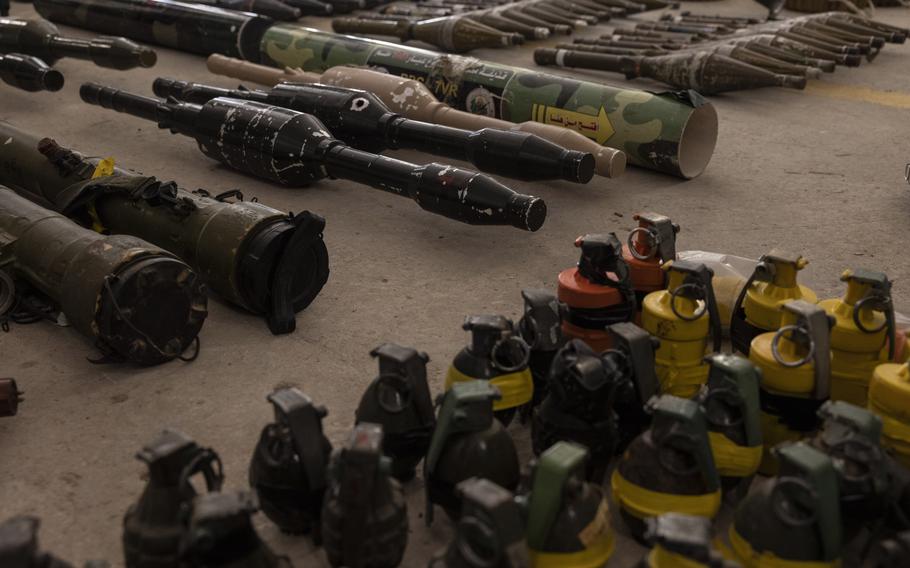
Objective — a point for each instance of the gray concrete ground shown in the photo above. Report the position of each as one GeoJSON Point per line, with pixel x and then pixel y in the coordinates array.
{"type": "Point", "coordinates": [801, 170]}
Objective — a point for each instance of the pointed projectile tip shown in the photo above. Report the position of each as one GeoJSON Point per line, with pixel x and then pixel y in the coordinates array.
{"type": "Point", "coordinates": [792, 81]}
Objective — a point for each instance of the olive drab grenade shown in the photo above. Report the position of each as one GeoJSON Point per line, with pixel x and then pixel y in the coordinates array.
{"type": "Point", "coordinates": [598, 291]}
{"type": "Point", "coordinates": [668, 468]}
{"type": "Point", "coordinates": [364, 515]}
{"type": "Point", "coordinates": [792, 519]}
{"type": "Point", "coordinates": [219, 533]}
{"type": "Point", "coordinates": [288, 467]}
{"type": "Point", "coordinates": [497, 354]}
{"type": "Point", "coordinates": [467, 442]}
{"type": "Point", "coordinates": [874, 488]}
{"type": "Point", "coordinates": [730, 400]}
{"type": "Point", "coordinates": [647, 248]}
{"type": "Point", "coordinates": [579, 407]}
{"type": "Point", "coordinates": [863, 335]}
{"type": "Point", "coordinates": [795, 363]}
{"type": "Point", "coordinates": [541, 328]}
{"type": "Point", "coordinates": [399, 400]}
{"type": "Point", "coordinates": [597, 400]}
{"type": "Point", "coordinates": [683, 317]}
{"type": "Point", "coordinates": [759, 307]}
{"type": "Point", "coordinates": [490, 532]}
{"type": "Point", "coordinates": [153, 528]}
{"type": "Point", "coordinates": [568, 518]}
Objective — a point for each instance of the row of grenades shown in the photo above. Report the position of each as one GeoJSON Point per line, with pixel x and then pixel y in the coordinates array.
{"type": "Point", "coordinates": [808, 351]}
{"type": "Point", "coordinates": [826, 491]}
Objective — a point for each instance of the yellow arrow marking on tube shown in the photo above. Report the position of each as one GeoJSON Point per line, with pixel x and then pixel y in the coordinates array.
{"type": "Point", "coordinates": [597, 127]}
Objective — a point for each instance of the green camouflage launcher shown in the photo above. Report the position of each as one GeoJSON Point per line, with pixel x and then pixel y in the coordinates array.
{"type": "Point", "coordinates": [674, 133]}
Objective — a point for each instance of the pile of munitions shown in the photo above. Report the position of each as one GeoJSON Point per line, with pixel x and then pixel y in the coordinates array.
{"type": "Point", "coordinates": [619, 372]}
{"type": "Point", "coordinates": [858, 7]}
{"type": "Point", "coordinates": [29, 47]}
{"type": "Point", "coordinates": [715, 54]}
{"type": "Point", "coordinates": [611, 373]}
{"type": "Point", "coordinates": [457, 27]}
{"type": "Point", "coordinates": [673, 133]}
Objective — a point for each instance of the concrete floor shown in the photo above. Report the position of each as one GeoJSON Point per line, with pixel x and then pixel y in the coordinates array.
{"type": "Point", "coordinates": [801, 170]}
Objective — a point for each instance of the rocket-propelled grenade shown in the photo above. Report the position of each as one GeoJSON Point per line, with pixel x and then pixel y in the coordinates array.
{"type": "Point", "coordinates": [29, 73]}
{"type": "Point", "coordinates": [361, 119]}
{"type": "Point", "coordinates": [296, 149]}
{"type": "Point", "coordinates": [412, 99]}
{"type": "Point", "coordinates": [708, 73]}
{"type": "Point", "coordinates": [42, 39]}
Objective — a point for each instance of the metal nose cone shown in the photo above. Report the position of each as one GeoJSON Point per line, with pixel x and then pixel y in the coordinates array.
{"type": "Point", "coordinates": [527, 212]}
{"type": "Point", "coordinates": [578, 166]}
{"type": "Point", "coordinates": [792, 81]}
{"type": "Point", "coordinates": [52, 80]}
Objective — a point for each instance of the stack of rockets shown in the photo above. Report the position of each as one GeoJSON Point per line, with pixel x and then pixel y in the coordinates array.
{"type": "Point", "coordinates": [499, 23]}
{"type": "Point", "coordinates": [714, 54]}
{"type": "Point", "coordinates": [28, 48]}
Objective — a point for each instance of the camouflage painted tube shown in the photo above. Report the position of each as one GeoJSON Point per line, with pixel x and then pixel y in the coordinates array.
{"type": "Point", "coordinates": [188, 27]}
{"type": "Point", "coordinates": [673, 133]}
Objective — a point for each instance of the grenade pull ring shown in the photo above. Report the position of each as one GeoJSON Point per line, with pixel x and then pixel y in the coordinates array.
{"type": "Point", "coordinates": [509, 349]}
{"type": "Point", "coordinates": [877, 299]}
{"type": "Point", "coordinates": [389, 383]}
{"type": "Point", "coordinates": [693, 292]}
{"type": "Point", "coordinates": [815, 326]}
{"type": "Point", "coordinates": [651, 244]}
{"type": "Point", "coordinates": [208, 463]}
{"type": "Point", "coordinates": [658, 237]}
{"type": "Point", "coordinates": [790, 490]}
{"type": "Point", "coordinates": [796, 330]}
{"type": "Point", "coordinates": [300, 416]}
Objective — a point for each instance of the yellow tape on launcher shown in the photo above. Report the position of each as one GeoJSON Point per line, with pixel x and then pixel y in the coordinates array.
{"type": "Point", "coordinates": [496, 354]}
{"type": "Point", "coordinates": [668, 468]}
{"type": "Point", "coordinates": [683, 317]}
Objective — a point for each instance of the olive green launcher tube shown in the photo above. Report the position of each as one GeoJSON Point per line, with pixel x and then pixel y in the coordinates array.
{"type": "Point", "coordinates": [134, 299]}
{"type": "Point", "coordinates": [674, 133]}
{"type": "Point", "coordinates": [246, 252]}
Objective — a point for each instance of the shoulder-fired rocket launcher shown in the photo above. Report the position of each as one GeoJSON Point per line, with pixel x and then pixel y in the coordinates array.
{"type": "Point", "coordinates": [29, 73]}
{"type": "Point", "coordinates": [42, 39]}
{"type": "Point", "coordinates": [295, 149]}
{"type": "Point", "coordinates": [261, 259]}
{"type": "Point", "coordinates": [670, 132]}
{"type": "Point", "coordinates": [414, 100]}
{"type": "Point", "coordinates": [362, 120]}
{"type": "Point", "coordinates": [454, 34]}
{"type": "Point", "coordinates": [133, 299]}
